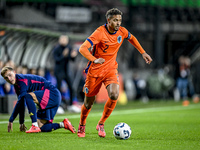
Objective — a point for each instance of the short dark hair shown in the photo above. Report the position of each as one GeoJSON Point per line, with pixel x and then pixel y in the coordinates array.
{"type": "Point", "coordinates": [113, 11]}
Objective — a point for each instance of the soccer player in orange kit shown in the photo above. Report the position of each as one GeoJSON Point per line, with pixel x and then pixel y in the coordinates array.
{"type": "Point", "coordinates": [101, 49]}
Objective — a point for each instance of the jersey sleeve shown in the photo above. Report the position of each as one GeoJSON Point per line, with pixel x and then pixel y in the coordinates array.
{"type": "Point", "coordinates": [95, 37]}
{"type": "Point", "coordinates": [22, 91]}
{"type": "Point", "coordinates": [18, 109]}
{"type": "Point", "coordinates": [90, 42]}
{"type": "Point", "coordinates": [132, 39]}
{"type": "Point", "coordinates": [127, 34]}
{"type": "Point", "coordinates": [136, 44]}
{"type": "Point", "coordinates": [22, 111]}
{"type": "Point", "coordinates": [20, 105]}
{"type": "Point", "coordinates": [84, 50]}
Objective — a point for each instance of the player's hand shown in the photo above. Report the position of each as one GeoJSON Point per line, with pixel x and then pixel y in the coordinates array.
{"type": "Point", "coordinates": [22, 127]}
{"type": "Point", "coordinates": [147, 58]}
{"type": "Point", "coordinates": [99, 61]}
{"type": "Point", "coordinates": [10, 126]}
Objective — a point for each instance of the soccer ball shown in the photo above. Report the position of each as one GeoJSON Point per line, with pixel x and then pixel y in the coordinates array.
{"type": "Point", "coordinates": [122, 131]}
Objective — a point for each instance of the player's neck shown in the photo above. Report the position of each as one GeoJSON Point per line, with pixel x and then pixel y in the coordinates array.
{"type": "Point", "coordinates": [110, 30]}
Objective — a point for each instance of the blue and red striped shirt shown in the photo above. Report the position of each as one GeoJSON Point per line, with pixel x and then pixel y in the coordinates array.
{"type": "Point", "coordinates": [26, 83]}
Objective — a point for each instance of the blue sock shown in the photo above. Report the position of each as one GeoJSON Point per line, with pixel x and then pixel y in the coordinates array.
{"type": "Point", "coordinates": [48, 127]}
{"type": "Point", "coordinates": [31, 107]}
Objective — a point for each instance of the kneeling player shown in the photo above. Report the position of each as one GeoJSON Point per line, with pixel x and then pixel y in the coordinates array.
{"type": "Point", "coordinates": [31, 90]}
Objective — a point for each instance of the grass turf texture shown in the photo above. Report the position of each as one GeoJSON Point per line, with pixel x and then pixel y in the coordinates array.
{"type": "Point", "coordinates": [157, 125]}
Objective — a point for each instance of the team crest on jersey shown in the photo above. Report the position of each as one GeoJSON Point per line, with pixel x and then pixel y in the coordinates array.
{"type": "Point", "coordinates": [85, 90]}
{"type": "Point", "coordinates": [119, 39]}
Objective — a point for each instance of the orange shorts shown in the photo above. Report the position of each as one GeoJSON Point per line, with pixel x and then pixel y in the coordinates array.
{"type": "Point", "coordinates": [93, 84]}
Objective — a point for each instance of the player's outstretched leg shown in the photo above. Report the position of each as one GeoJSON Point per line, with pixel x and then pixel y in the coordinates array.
{"type": "Point", "coordinates": [69, 126]}
{"type": "Point", "coordinates": [100, 129]}
{"type": "Point", "coordinates": [34, 129]}
{"type": "Point", "coordinates": [81, 131]}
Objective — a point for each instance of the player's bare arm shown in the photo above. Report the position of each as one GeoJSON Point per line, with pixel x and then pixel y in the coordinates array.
{"type": "Point", "coordinates": [147, 58]}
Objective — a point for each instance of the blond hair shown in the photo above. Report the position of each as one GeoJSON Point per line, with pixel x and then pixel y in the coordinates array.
{"type": "Point", "coordinates": [5, 69]}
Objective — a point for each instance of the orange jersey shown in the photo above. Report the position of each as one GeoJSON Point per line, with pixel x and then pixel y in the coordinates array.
{"type": "Point", "coordinates": [105, 45]}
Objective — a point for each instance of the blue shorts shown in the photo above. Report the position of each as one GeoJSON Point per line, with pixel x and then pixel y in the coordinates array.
{"type": "Point", "coordinates": [49, 101]}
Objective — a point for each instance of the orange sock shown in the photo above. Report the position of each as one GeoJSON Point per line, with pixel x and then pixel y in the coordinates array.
{"type": "Point", "coordinates": [108, 108]}
{"type": "Point", "coordinates": [84, 114]}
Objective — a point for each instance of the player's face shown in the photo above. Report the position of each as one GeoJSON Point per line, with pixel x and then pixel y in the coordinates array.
{"type": "Point", "coordinates": [114, 23]}
{"type": "Point", "coordinates": [9, 76]}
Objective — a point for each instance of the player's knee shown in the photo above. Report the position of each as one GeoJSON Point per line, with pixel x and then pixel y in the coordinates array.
{"type": "Point", "coordinates": [88, 102]}
{"type": "Point", "coordinates": [33, 97]}
{"type": "Point", "coordinates": [41, 122]}
{"type": "Point", "coordinates": [114, 95]}
{"type": "Point", "coordinates": [88, 105]}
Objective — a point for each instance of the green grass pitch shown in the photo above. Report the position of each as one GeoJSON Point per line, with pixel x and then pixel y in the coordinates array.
{"type": "Point", "coordinates": [158, 125]}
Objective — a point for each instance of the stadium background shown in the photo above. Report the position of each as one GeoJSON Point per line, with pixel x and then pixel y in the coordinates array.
{"type": "Point", "coordinates": [166, 29]}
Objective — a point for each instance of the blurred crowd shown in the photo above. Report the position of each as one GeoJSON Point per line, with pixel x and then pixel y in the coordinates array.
{"type": "Point", "coordinates": [58, 76]}
{"type": "Point", "coordinates": [8, 89]}
{"type": "Point", "coordinates": [160, 84]}
{"type": "Point", "coordinates": [168, 82]}
{"type": "Point", "coordinates": [184, 84]}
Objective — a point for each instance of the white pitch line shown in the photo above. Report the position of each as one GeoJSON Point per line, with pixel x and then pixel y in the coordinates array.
{"type": "Point", "coordinates": [123, 112]}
